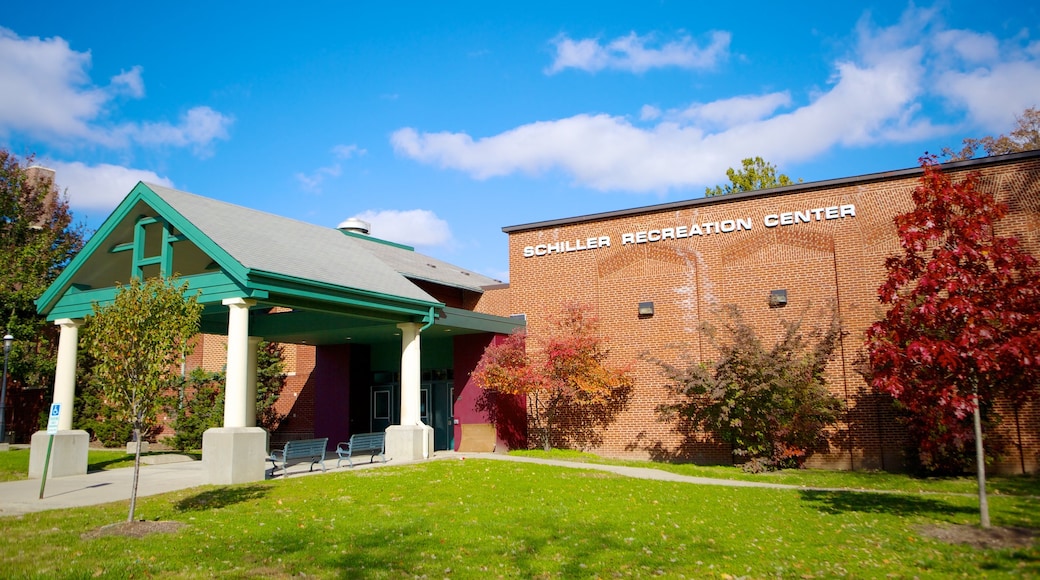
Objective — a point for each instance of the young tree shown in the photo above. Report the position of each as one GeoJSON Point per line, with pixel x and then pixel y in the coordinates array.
{"type": "Point", "coordinates": [771, 404]}
{"type": "Point", "coordinates": [1025, 136]}
{"type": "Point", "coordinates": [37, 240]}
{"type": "Point", "coordinates": [568, 372]}
{"type": "Point", "coordinates": [137, 343]}
{"type": "Point", "coordinates": [756, 174]}
{"type": "Point", "coordinates": [963, 324]}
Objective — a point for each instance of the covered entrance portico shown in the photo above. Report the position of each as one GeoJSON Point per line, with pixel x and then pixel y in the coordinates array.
{"type": "Point", "coordinates": [369, 308]}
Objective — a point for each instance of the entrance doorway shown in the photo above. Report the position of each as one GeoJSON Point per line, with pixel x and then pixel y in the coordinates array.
{"type": "Point", "coordinates": [435, 409]}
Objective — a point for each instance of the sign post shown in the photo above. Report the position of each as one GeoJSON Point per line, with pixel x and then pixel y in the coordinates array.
{"type": "Point", "coordinates": [52, 428]}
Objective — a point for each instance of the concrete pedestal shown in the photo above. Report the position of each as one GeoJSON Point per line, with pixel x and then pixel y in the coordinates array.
{"type": "Point", "coordinates": [234, 454]}
{"type": "Point", "coordinates": [131, 447]}
{"type": "Point", "coordinates": [409, 442]}
{"type": "Point", "coordinates": [68, 454]}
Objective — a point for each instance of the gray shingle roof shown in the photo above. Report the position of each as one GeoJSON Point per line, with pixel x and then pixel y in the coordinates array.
{"type": "Point", "coordinates": [422, 267]}
{"type": "Point", "coordinates": [271, 243]}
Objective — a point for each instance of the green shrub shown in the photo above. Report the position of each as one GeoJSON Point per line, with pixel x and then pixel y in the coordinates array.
{"type": "Point", "coordinates": [771, 404]}
{"type": "Point", "coordinates": [201, 407]}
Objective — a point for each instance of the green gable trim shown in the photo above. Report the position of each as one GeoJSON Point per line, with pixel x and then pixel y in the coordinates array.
{"type": "Point", "coordinates": [459, 318]}
{"type": "Point", "coordinates": [291, 288]}
{"type": "Point", "coordinates": [368, 238]}
{"type": "Point", "coordinates": [211, 288]}
{"type": "Point", "coordinates": [141, 193]}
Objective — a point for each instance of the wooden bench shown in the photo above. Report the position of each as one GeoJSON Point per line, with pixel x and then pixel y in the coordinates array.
{"type": "Point", "coordinates": [299, 451]}
{"type": "Point", "coordinates": [362, 443]}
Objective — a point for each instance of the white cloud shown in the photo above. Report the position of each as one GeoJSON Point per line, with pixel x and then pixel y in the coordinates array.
{"type": "Point", "coordinates": [312, 181]}
{"type": "Point", "coordinates": [874, 96]}
{"type": "Point", "coordinates": [968, 45]}
{"type": "Point", "coordinates": [131, 82]}
{"type": "Point", "coordinates": [47, 90]}
{"type": "Point", "coordinates": [631, 53]}
{"type": "Point", "coordinates": [347, 151]}
{"type": "Point", "coordinates": [99, 187]}
{"type": "Point", "coordinates": [735, 111]}
{"type": "Point", "coordinates": [198, 128]}
{"type": "Point", "coordinates": [48, 94]}
{"type": "Point", "coordinates": [649, 113]}
{"type": "Point", "coordinates": [414, 227]}
{"type": "Point", "coordinates": [607, 152]}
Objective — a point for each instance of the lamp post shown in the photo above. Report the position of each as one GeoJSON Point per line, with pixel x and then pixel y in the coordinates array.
{"type": "Point", "coordinates": [8, 339]}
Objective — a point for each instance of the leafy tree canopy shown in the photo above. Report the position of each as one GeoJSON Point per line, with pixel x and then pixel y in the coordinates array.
{"type": "Point", "coordinates": [37, 241]}
{"type": "Point", "coordinates": [963, 324]}
{"type": "Point", "coordinates": [755, 174]}
{"type": "Point", "coordinates": [569, 371]}
{"type": "Point", "coordinates": [1025, 136]}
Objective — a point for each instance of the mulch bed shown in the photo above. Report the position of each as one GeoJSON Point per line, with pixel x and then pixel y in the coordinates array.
{"type": "Point", "coordinates": [984, 538]}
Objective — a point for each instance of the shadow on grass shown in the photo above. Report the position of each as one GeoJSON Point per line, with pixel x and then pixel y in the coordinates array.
{"type": "Point", "coordinates": [221, 497]}
{"type": "Point", "coordinates": [533, 549]}
{"type": "Point", "coordinates": [899, 505]}
{"type": "Point", "coordinates": [1016, 484]}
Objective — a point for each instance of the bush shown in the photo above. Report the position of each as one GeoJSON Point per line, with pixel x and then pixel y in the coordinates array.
{"type": "Point", "coordinates": [201, 407]}
{"type": "Point", "coordinates": [772, 405]}
{"type": "Point", "coordinates": [104, 422]}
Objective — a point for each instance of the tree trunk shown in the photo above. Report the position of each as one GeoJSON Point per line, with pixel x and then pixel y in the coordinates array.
{"type": "Point", "coordinates": [1021, 451]}
{"type": "Point", "coordinates": [137, 470]}
{"type": "Point", "coordinates": [980, 465]}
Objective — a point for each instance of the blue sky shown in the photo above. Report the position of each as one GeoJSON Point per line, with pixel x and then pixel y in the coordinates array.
{"type": "Point", "coordinates": [440, 123]}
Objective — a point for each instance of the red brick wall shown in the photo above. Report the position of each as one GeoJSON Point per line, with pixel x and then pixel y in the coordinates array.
{"type": "Point", "coordinates": [822, 264]}
{"type": "Point", "coordinates": [496, 301]}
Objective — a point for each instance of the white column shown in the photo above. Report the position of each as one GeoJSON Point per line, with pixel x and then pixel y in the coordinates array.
{"type": "Point", "coordinates": [65, 372]}
{"type": "Point", "coordinates": [410, 373]}
{"type": "Point", "coordinates": [236, 390]}
{"type": "Point", "coordinates": [251, 380]}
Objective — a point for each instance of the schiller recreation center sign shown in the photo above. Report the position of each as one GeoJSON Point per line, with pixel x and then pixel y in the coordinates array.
{"type": "Point", "coordinates": [791, 218]}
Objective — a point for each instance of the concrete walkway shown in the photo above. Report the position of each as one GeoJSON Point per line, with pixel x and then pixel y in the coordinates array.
{"type": "Point", "coordinates": [181, 472]}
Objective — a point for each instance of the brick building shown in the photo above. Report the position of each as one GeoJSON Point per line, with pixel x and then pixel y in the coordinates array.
{"type": "Point", "coordinates": [819, 245]}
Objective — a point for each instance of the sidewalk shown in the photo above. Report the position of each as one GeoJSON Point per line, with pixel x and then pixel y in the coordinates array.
{"type": "Point", "coordinates": [182, 472]}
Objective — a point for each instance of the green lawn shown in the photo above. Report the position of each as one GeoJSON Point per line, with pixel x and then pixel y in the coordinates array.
{"type": "Point", "coordinates": [835, 479]}
{"type": "Point", "coordinates": [486, 518]}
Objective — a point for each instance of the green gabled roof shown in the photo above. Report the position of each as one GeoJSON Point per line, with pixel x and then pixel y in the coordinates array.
{"type": "Point", "coordinates": [257, 251]}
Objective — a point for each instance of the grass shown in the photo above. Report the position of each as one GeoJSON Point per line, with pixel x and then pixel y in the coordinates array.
{"type": "Point", "coordinates": [851, 480]}
{"type": "Point", "coordinates": [14, 464]}
{"type": "Point", "coordinates": [489, 518]}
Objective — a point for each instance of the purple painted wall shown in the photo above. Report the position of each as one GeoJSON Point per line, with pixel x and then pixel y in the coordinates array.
{"type": "Point", "coordinates": [331, 379]}
{"type": "Point", "coordinates": [509, 414]}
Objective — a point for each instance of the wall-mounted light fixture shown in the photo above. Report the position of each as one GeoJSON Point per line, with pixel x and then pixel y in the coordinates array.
{"type": "Point", "coordinates": [646, 309]}
{"type": "Point", "coordinates": [777, 298]}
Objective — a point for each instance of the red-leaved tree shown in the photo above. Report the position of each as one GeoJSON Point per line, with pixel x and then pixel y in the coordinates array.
{"type": "Point", "coordinates": [963, 325]}
{"type": "Point", "coordinates": [568, 373]}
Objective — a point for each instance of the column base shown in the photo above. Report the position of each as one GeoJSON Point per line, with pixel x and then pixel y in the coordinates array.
{"type": "Point", "coordinates": [68, 454]}
{"type": "Point", "coordinates": [234, 454]}
{"type": "Point", "coordinates": [409, 442]}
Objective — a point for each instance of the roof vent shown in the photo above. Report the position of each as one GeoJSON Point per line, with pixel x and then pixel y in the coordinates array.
{"type": "Point", "coordinates": [354, 225]}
